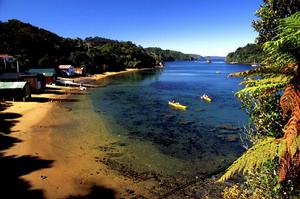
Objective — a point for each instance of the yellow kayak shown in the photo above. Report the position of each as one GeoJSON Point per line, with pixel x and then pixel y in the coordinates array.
{"type": "Point", "coordinates": [206, 98]}
{"type": "Point", "coordinates": [177, 105]}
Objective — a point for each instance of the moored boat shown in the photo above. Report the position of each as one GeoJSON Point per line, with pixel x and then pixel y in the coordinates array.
{"type": "Point", "coordinates": [255, 65]}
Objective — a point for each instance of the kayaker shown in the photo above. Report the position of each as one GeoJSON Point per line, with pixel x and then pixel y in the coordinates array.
{"type": "Point", "coordinates": [206, 97]}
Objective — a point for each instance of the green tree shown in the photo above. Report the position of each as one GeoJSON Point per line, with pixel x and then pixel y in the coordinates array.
{"type": "Point", "coordinates": [269, 15]}
{"type": "Point", "coordinates": [37, 47]}
{"type": "Point", "coordinates": [251, 53]}
{"type": "Point", "coordinates": [279, 75]}
{"type": "Point", "coordinates": [47, 62]}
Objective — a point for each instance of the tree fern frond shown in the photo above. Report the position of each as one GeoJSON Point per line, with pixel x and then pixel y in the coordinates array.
{"type": "Point", "coordinates": [280, 70]}
{"type": "Point", "coordinates": [295, 146]}
{"type": "Point", "coordinates": [261, 89]}
{"type": "Point", "coordinates": [255, 157]}
{"type": "Point", "coordinates": [272, 79]}
{"type": "Point", "coordinates": [256, 71]}
{"type": "Point", "coordinates": [290, 103]}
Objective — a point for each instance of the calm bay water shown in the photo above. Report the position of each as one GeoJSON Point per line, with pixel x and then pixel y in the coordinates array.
{"type": "Point", "coordinates": [159, 139]}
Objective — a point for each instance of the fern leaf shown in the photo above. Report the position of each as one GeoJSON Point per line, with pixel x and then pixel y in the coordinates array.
{"type": "Point", "coordinates": [255, 157]}
{"type": "Point", "coordinates": [290, 102]}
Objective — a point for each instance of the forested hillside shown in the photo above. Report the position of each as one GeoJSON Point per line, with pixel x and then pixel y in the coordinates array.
{"type": "Point", "coordinates": [36, 47]}
{"type": "Point", "coordinates": [170, 55]}
{"type": "Point", "coordinates": [249, 54]}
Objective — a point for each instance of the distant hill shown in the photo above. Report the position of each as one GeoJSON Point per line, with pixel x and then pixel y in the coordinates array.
{"type": "Point", "coordinates": [170, 55]}
{"type": "Point", "coordinates": [36, 47]}
{"type": "Point", "coordinates": [99, 41]}
{"type": "Point", "coordinates": [249, 54]}
{"type": "Point", "coordinates": [214, 58]}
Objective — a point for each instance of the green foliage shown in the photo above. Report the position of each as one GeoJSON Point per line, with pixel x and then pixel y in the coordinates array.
{"type": "Point", "coordinates": [37, 47]}
{"type": "Point", "coordinates": [29, 43]}
{"type": "Point", "coordinates": [275, 146]}
{"type": "Point", "coordinates": [260, 98]}
{"type": "Point", "coordinates": [249, 54]}
{"type": "Point", "coordinates": [262, 184]}
{"type": "Point", "coordinates": [235, 192]}
{"type": "Point", "coordinates": [47, 62]}
{"type": "Point", "coordinates": [269, 15]}
{"type": "Point", "coordinates": [170, 55]}
{"type": "Point", "coordinates": [285, 50]}
{"type": "Point", "coordinates": [267, 86]}
{"type": "Point", "coordinates": [256, 156]}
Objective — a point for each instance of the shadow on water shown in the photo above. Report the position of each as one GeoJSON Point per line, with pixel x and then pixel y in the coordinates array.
{"type": "Point", "coordinates": [13, 167]}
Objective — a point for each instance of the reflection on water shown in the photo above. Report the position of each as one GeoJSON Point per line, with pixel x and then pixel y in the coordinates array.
{"type": "Point", "coordinates": [200, 140]}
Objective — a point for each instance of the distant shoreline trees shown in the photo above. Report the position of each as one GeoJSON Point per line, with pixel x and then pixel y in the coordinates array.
{"type": "Point", "coordinates": [249, 54]}
{"type": "Point", "coordinates": [269, 14]}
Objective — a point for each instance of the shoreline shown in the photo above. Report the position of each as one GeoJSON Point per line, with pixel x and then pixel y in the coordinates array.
{"type": "Point", "coordinates": [80, 163]}
{"type": "Point", "coordinates": [69, 174]}
{"type": "Point", "coordinates": [97, 77]}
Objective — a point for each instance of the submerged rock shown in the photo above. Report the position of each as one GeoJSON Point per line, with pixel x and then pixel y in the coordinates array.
{"type": "Point", "coordinates": [186, 122]}
{"type": "Point", "coordinates": [232, 138]}
{"type": "Point", "coordinates": [229, 138]}
{"type": "Point", "coordinates": [228, 127]}
{"type": "Point", "coordinates": [212, 130]}
{"type": "Point", "coordinates": [135, 132]}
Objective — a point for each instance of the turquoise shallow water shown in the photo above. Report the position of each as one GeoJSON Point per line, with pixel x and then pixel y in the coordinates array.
{"type": "Point", "coordinates": [201, 139]}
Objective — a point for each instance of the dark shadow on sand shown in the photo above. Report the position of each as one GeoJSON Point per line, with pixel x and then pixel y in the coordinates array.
{"type": "Point", "coordinates": [4, 106]}
{"type": "Point", "coordinates": [45, 99]}
{"type": "Point", "coordinates": [97, 192]}
{"type": "Point", "coordinates": [12, 167]}
{"type": "Point", "coordinates": [7, 121]}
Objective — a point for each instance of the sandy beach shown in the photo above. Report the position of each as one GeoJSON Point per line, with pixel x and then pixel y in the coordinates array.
{"type": "Point", "coordinates": [60, 167]}
{"type": "Point", "coordinates": [58, 146]}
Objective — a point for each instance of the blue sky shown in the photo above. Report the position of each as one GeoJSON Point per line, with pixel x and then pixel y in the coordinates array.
{"type": "Point", "coordinates": [206, 27]}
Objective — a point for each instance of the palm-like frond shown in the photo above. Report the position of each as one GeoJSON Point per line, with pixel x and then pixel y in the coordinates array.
{"type": "Point", "coordinates": [267, 86]}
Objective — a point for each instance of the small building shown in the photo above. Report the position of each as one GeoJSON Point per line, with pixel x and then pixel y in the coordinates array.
{"type": "Point", "coordinates": [81, 71]}
{"type": "Point", "coordinates": [49, 73]}
{"type": "Point", "coordinates": [4, 59]}
{"type": "Point", "coordinates": [66, 70]}
{"type": "Point", "coordinates": [15, 91]}
{"type": "Point", "coordinates": [35, 80]}
{"type": "Point", "coordinates": [7, 57]}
